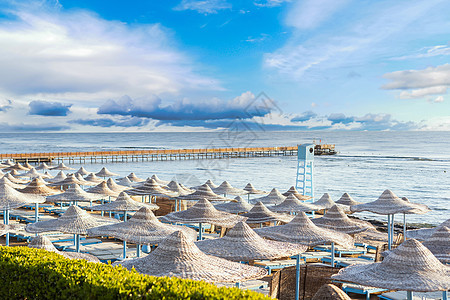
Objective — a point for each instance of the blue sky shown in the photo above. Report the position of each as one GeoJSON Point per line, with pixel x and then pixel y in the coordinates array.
{"type": "Point", "coordinates": [200, 65]}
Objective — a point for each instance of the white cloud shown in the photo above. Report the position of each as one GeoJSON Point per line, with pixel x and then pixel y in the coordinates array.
{"type": "Point", "coordinates": [358, 35]}
{"type": "Point", "coordinates": [419, 79]}
{"type": "Point", "coordinates": [439, 99]}
{"type": "Point", "coordinates": [269, 3]}
{"type": "Point", "coordinates": [49, 53]}
{"type": "Point", "coordinates": [420, 93]}
{"type": "Point", "coordinates": [203, 6]}
{"type": "Point", "coordinates": [439, 50]}
{"type": "Point", "coordinates": [311, 13]}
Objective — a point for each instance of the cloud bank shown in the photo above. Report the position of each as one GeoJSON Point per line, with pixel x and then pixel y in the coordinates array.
{"type": "Point", "coordinates": [51, 109]}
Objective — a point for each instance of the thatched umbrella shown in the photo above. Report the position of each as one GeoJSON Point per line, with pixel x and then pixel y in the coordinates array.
{"type": "Point", "coordinates": [425, 233]}
{"type": "Point", "coordinates": [152, 188]}
{"type": "Point", "coordinates": [336, 219]}
{"type": "Point", "coordinates": [203, 212]}
{"type": "Point", "coordinates": [302, 230]}
{"type": "Point", "coordinates": [75, 221]}
{"type": "Point", "coordinates": [62, 167]}
{"type": "Point", "coordinates": [68, 181]}
{"type": "Point", "coordinates": [5, 228]}
{"type": "Point", "coordinates": [93, 178]}
{"type": "Point", "coordinates": [273, 198]}
{"type": "Point", "coordinates": [83, 181]}
{"type": "Point", "coordinates": [38, 187]}
{"type": "Point", "coordinates": [389, 204]}
{"type": "Point", "coordinates": [261, 214]}
{"type": "Point", "coordinates": [9, 162]}
{"type": "Point", "coordinates": [226, 188]}
{"type": "Point", "coordinates": [124, 203]}
{"type": "Point", "coordinates": [125, 181]}
{"type": "Point", "coordinates": [42, 242]}
{"type": "Point", "coordinates": [134, 178]}
{"type": "Point", "coordinates": [252, 190]}
{"type": "Point", "coordinates": [159, 181]}
{"type": "Point", "coordinates": [27, 165]}
{"type": "Point", "coordinates": [11, 198]}
{"type": "Point", "coordinates": [104, 172]}
{"type": "Point", "coordinates": [142, 228]}
{"type": "Point", "coordinates": [410, 267]}
{"type": "Point", "coordinates": [32, 173]}
{"type": "Point", "coordinates": [115, 187]}
{"type": "Point", "coordinates": [238, 205]}
{"type": "Point", "coordinates": [17, 166]}
{"type": "Point", "coordinates": [48, 176]}
{"type": "Point", "coordinates": [439, 244]}
{"type": "Point", "coordinates": [241, 243]}
{"type": "Point", "coordinates": [179, 189]}
{"type": "Point", "coordinates": [16, 186]}
{"type": "Point", "coordinates": [292, 205]}
{"type": "Point", "coordinates": [14, 179]}
{"type": "Point", "coordinates": [179, 257]}
{"type": "Point", "coordinates": [204, 192]}
{"type": "Point", "coordinates": [82, 171]}
{"type": "Point", "coordinates": [43, 166]}
{"type": "Point", "coordinates": [59, 177]}
{"type": "Point", "coordinates": [102, 189]}
{"type": "Point", "coordinates": [292, 190]}
{"type": "Point", "coordinates": [330, 292]}
{"type": "Point", "coordinates": [346, 199]}
{"type": "Point", "coordinates": [325, 202]}
{"type": "Point", "coordinates": [74, 194]}
{"type": "Point", "coordinates": [15, 173]}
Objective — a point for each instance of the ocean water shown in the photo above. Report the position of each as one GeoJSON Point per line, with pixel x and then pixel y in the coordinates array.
{"type": "Point", "coordinates": [412, 164]}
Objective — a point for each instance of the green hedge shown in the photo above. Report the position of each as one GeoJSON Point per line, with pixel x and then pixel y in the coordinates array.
{"type": "Point", "coordinates": [27, 273]}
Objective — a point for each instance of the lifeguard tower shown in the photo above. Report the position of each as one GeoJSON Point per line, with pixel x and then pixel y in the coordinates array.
{"type": "Point", "coordinates": [305, 168]}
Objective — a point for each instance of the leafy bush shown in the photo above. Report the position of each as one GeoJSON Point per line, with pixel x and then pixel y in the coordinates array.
{"type": "Point", "coordinates": [27, 273]}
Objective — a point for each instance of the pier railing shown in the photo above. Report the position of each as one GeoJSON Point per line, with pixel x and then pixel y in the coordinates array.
{"type": "Point", "coordinates": [163, 154]}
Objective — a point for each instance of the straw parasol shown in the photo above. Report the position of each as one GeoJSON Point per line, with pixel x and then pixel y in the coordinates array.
{"type": "Point", "coordinates": [238, 205]}
{"type": "Point", "coordinates": [38, 187]}
{"type": "Point", "coordinates": [302, 230]}
{"type": "Point", "coordinates": [292, 190]}
{"type": "Point", "coordinates": [346, 199]}
{"type": "Point", "coordinates": [330, 292]}
{"type": "Point", "coordinates": [274, 197]}
{"type": "Point", "coordinates": [69, 180]}
{"type": "Point", "coordinates": [142, 228]}
{"type": "Point", "coordinates": [124, 203]}
{"type": "Point", "coordinates": [241, 243]}
{"type": "Point", "coordinates": [14, 179]}
{"type": "Point", "coordinates": [208, 182]}
{"type": "Point", "coordinates": [16, 186]}
{"type": "Point", "coordinates": [93, 178]}
{"type": "Point", "coordinates": [125, 181]}
{"type": "Point", "coordinates": [439, 244]}
{"type": "Point", "coordinates": [159, 181]}
{"type": "Point", "coordinates": [60, 176]}
{"type": "Point", "coordinates": [47, 175]}
{"type": "Point", "coordinates": [32, 173]}
{"type": "Point", "coordinates": [325, 202]}
{"type": "Point", "coordinates": [151, 187]}
{"type": "Point", "coordinates": [42, 242]}
{"type": "Point", "coordinates": [62, 167]}
{"type": "Point", "coordinates": [134, 178]}
{"type": "Point", "coordinates": [15, 173]}
{"type": "Point", "coordinates": [261, 214]}
{"type": "Point", "coordinates": [43, 166]}
{"type": "Point", "coordinates": [83, 181]}
{"type": "Point", "coordinates": [177, 188]}
{"type": "Point", "coordinates": [409, 267]}
{"type": "Point", "coordinates": [252, 190]}
{"type": "Point", "coordinates": [203, 212]}
{"type": "Point", "coordinates": [115, 187]}
{"type": "Point", "coordinates": [27, 165]}
{"type": "Point", "coordinates": [179, 257]}
{"type": "Point", "coordinates": [204, 192]}
{"type": "Point", "coordinates": [336, 219]}
{"type": "Point", "coordinates": [9, 162]}
{"type": "Point", "coordinates": [75, 221]}
{"type": "Point", "coordinates": [82, 171]}
{"type": "Point", "coordinates": [389, 204]}
{"type": "Point", "coordinates": [102, 189]}
{"type": "Point", "coordinates": [17, 167]}
{"type": "Point", "coordinates": [4, 229]}
{"type": "Point", "coordinates": [425, 233]}
{"type": "Point", "coordinates": [293, 204]}
{"type": "Point", "coordinates": [74, 194]}
{"type": "Point", "coordinates": [104, 172]}
{"type": "Point", "coordinates": [226, 188]}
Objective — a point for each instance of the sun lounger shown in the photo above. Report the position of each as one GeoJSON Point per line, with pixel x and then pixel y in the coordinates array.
{"type": "Point", "coordinates": [342, 262]}
{"type": "Point", "coordinates": [361, 289]}
{"type": "Point", "coordinates": [247, 285]}
{"type": "Point", "coordinates": [401, 295]}
{"type": "Point", "coordinates": [276, 264]}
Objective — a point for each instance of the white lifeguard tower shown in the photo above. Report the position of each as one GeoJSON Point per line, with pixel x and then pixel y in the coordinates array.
{"type": "Point", "coordinates": [305, 168]}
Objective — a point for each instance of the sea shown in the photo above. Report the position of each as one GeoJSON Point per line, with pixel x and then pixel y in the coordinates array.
{"type": "Point", "coordinates": [415, 164]}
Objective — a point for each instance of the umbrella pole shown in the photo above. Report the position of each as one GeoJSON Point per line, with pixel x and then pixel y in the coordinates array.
{"type": "Point", "coordinates": [444, 295]}
{"type": "Point", "coordinates": [6, 222]}
{"type": "Point", "coordinates": [200, 229]}
{"type": "Point", "coordinates": [409, 295]}
{"type": "Point", "coordinates": [404, 227]}
{"type": "Point", "coordinates": [389, 231]}
{"type": "Point", "coordinates": [138, 250]}
{"type": "Point", "coordinates": [124, 249]}
{"type": "Point", "coordinates": [392, 230]}
{"type": "Point", "coordinates": [77, 246]}
{"type": "Point", "coordinates": [238, 285]}
{"type": "Point", "coordinates": [332, 255]}
{"type": "Point", "coordinates": [297, 277]}
{"type": "Point", "coordinates": [125, 216]}
{"type": "Point", "coordinates": [36, 212]}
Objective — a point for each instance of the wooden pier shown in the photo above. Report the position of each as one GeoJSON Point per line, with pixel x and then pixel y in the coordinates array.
{"type": "Point", "coordinates": [159, 155]}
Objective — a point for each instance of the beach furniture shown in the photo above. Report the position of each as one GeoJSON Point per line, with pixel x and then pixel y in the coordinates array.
{"type": "Point", "coordinates": [261, 214]}
{"type": "Point", "coordinates": [273, 198]}
{"type": "Point", "coordinates": [62, 167]}
{"type": "Point", "coordinates": [293, 205]}
{"type": "Point", "coordinates": [237, 206]}
{"type": "Point", "coordinates": [226, 188]}
{"type": "Point", "coordinates": [104, 172]}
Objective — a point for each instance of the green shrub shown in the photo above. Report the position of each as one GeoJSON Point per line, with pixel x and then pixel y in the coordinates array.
{"type": "Point", "coordinates": [27, 273]}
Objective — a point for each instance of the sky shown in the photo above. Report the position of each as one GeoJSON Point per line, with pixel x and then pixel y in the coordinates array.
{"type": "Point", "coordinates": [190, 65]}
